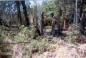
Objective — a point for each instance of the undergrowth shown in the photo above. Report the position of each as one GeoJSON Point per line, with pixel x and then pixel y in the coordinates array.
{"type": "Point", "coordinates": [26, 34]}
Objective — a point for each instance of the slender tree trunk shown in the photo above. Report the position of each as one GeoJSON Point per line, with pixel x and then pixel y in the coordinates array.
{"type": "Point", "coordinates": [25, 13]}
{"type": "Point", "coordinates": [81, 8]}
{"type": "Point", "coordinates": [36, 20]}
{"type": "Point", "coordinates": [18, 10]}
{"type": "Point", "coordinates": [42, 23]}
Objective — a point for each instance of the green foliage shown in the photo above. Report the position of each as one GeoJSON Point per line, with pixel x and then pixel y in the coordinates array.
{"type": "Point", "coordinates": [49, 6]}
{"type": "Point", "coordinates": [25, 34]}
{"type": "Point", "coordinates": [71, 38]}
{"type": "Point", "coordinates": [39, 46]}
{"type": "Point", "coordinates": [2, 33]}
{"type": "Point", "coordinates": [1, 37]}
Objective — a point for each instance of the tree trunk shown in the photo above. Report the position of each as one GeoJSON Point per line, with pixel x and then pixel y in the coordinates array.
{"type": "Point", "coordinates": [18, 10]}
{"type": "Point", "coordinates": [25, 13]}
{"type": "Point", "coordinates": [42, 23]}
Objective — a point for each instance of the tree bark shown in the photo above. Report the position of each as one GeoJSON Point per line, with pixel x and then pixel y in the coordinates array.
{"type": "Point", "coordinates": [18, 10]}
{"type": "Point", "coordinates": [42, 23]}
{"type": "Point", "coordinates": [25, 13]}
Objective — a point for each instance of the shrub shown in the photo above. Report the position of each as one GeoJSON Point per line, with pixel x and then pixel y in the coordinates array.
{"type": "Point", "coordinates": [71, 38]}
{"type": "Point", "coordinates": [25, 34]}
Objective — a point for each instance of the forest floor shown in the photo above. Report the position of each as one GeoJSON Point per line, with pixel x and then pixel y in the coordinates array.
{"type": "Point", "coordinates": [64, 49]}
{"type": "Point", "coordinates": [71, 46]}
